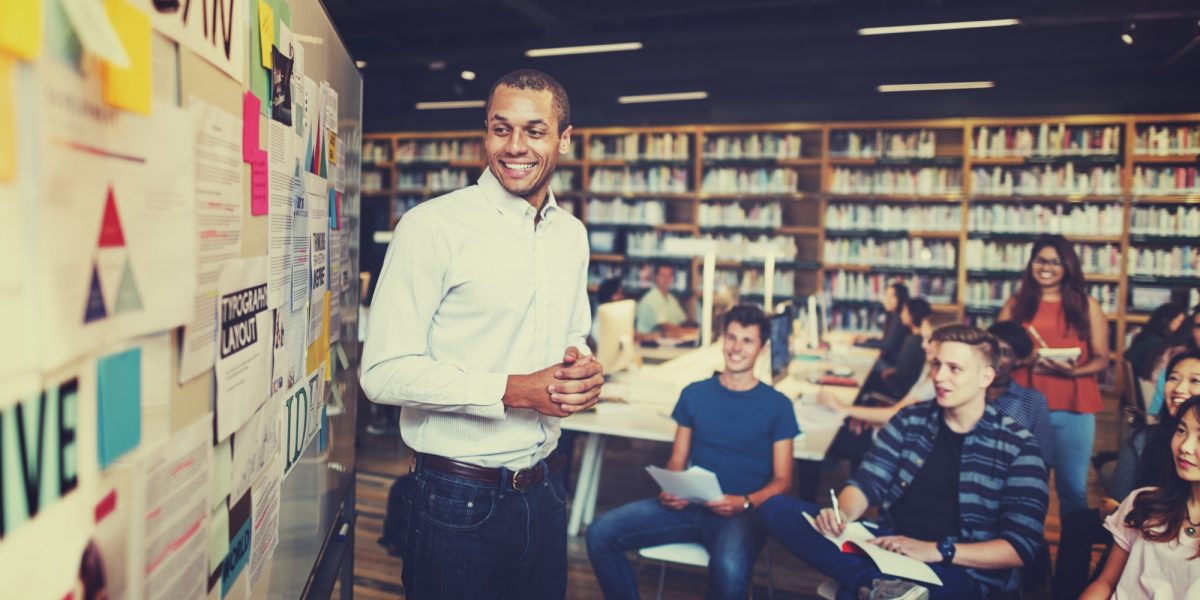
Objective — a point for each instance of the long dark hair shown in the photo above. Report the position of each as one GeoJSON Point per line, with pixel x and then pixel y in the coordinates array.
{"type": "Point", "coordinates": [1074, 294]}
{"type": "Point", "coordinates": [1184, 338]}
{"type": "Point", "coordinates": [1159, 513]}
{"type": "Point", "coordinates": [902, 297]}
{"type": "Point", "coordinates": [1155, 464]}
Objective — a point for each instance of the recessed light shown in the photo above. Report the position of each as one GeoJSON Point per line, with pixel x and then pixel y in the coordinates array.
{"type": "Point", "coordinates": [362, 64]}
{"type": "Point", "coordinates": [662, 97]}
{"type": "Point", "coordinates": [592, 49]}
{"type": "Point", "coordinates": [450, 104]}
{"type": "Point", "coordinates": [938, 26]}
{"type": "Point", "coordinates": [933, 87]}
{"type": "Point", "coordinates": [1127, 34]}
{"type": "Point", "coordinates": [468, 75]}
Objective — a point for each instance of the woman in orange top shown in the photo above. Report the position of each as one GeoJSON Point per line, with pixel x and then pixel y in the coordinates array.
{"type": "Point", "coordinates": [1053, 304]}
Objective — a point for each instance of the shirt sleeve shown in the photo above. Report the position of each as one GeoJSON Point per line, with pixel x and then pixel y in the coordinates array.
{"type": "Point", "coordinates": [1123, 535]}
{"type": "Point", "coordinates": [785, 426]}
{"type": "Point", "coordinates": [682, 413]}
{"type": "Point", "coordinates": [1023, 501]}
{"type": "Point", "coordinates": [647, 317]}
{"type": "Point", "coordinates": [881, 463]}
{"type": "Point", "coordinates": [581, 313]}
{"type": "Point", "coordinates": [396, 366]}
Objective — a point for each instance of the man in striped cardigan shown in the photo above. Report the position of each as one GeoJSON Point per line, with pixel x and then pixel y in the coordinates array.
{"type": "Point", "coordinates": [958, 486]}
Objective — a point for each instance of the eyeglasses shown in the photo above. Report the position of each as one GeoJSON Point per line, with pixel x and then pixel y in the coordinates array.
{"type": "Point", "coordinates": [1042, 262]}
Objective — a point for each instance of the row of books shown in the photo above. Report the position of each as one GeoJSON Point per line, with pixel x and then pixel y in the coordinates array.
{"type": "Point", "coordinates": [993, 293]}
{"type": "Point", "coordinates": [1165, 220]}
{"type": "Point", "coordinates": [896, 181]}
{"type": "Point", "coordinates": [726, 246]}
{"type": "Point", "coordinates": [620, 211]}
{"type": "Point", "coordinates": [372, 182]}
{"type": "Point", "coordinates": [1046, 140]}
{"type": "Point", "coordinates": [869, 287]}
{"type": "Point", "coordinates": [749, 281]}
{"type": "Point", "coordinates": [987, 255]}
{"type": "Point", "coordinates": [1165, 180]}
{"type": "Point", "coordinates": [737, 214]}
{"type": "Point", "coordinates": [1086, 219]}
{"type": "Point", "coordinates": [410, 151]}
{"type": "Point", "coordinates": [921, 143]}
{"type": "Point", "coordinates": [856, 319]}
{"type": "Point", "coordinates": [636, 278]}
{"type": "Point", "coordinates": [1167, 140]}
{"type": "Point", "coordinates": [901, 252]}
{"type": "Point", "coordinates": [730, 180]}
{"type": "Point", "coordinates": [375, 153]}
{"type": "Point", "coordinates": [441, 180]}
{"type": "Point", "coordinates": [641, 146]}
{"type": "Point", "coordinates": [752, 146]}
{"type": "Point", "coordinates": [1177, 261]}
{"type": "Point", "coordinates": [563, 180]}
{"type": "Point", "coordinates": [655, 180]}
{"type": "Point", "coordinates": [846, 216]}
{"type": "Point", "coordinates": [1046, 180]}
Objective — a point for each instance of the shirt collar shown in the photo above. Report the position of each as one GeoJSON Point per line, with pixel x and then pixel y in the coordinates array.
{"type": "Point", "coordinates": [510, 205]}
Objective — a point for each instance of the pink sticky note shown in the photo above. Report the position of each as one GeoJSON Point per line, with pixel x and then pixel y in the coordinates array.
{"type": "Point", "coordinates": [251, 106]}
{"type": "Point", "coordinates": [259, 183]}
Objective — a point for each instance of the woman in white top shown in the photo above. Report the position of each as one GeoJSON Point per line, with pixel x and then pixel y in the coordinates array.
{"type": "Point", "coordinates": [1157, 530]}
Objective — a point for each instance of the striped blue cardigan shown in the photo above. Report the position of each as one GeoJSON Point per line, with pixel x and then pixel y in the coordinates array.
{"type": "Point", "coordinates": [1002, 492]}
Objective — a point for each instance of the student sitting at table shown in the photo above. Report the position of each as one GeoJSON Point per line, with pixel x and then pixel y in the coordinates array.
{"type": "Point", "coordinates": [659, 311]}
{"type": "Point", "coordinates": [740, 429]}
{"type": "Point", "coordinates": [895, 296]}
{"type": "Point", "coordinates": [958, 485]}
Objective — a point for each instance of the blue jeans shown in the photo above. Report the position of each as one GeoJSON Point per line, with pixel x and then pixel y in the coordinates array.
{"type": "Point", "coordinates": [468, 540]}
{"type": "Point", "coordinates": [785, 521]}
{"type": "Point", "coordinates": [1073, 436]}
{"type": "Point", "coordinates": [732, 543]}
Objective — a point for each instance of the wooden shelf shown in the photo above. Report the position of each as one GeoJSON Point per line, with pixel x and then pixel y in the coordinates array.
{"type": "Point", "coordinates": [1137, 318]}
{"type": "Point", "coordinates": [838, 267]}
{"type": "Point", "coordinates": [997, 161]}
{"type": "Point", "coordinates": [1101, 278]}
{"type": "Point", "coordinates": [799, 230]}
{"type": "Point", "coordinates": [1093, 239]}
{"type": "Point", "coordinates": [608, 258]}
{"type": "Point", "coordinates": [852, 162]}
{"type": "Point", "coordinates": [1153, 199]}
{"type": "Point", "coordinates": [645, 195]}
{"type": "Point", "coordinates": [677, 227]}
{"type": "Point", "coordinates": [1169, 159]}
{"type": "Point", "coordinates": [1062, 199]}
{"type": "Point", "coordinates": [784, 196]}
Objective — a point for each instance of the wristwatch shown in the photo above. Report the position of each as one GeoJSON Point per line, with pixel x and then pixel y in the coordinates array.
{"type": "Point", "coordinates": [747, 505]}
{"type": "Point", "coordinates": [946, 548]}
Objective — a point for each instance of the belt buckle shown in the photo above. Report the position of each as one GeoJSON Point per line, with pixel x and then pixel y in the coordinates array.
{"type": "Point", "coordinates": [516, 478]}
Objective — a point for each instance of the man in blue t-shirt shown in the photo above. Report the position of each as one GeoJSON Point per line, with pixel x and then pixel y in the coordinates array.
{"type": "Point", "coordinates": [740, 429]}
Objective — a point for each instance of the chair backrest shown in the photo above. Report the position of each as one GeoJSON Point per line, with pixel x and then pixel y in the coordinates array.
{"type": "Point", "coordinates": [1132, 410]}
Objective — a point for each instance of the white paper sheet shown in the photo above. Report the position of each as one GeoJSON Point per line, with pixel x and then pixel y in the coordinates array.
{"type": "Point", "coordinates": [889, 562]}
{"type": "Point", "coordinates": [219, 201]}
{"type": "Point", "coordinates": [19, 353]}
{"type": "Point", "coordinates": [110, 211]}
{"type": "Point", "coordinates": [244, 343]}
{"type": "Point", "coordinates": [156, 388]}
{"type": "Point", "coordinates": [696, 484]}
{"type": "Point", "coordinates": [264, 498]}
{"type": "Point", "coordinates": [255, 446]}
{"type": "Point", "coordinates": [300, 420]}
{"type": "Point", "coordinates": [282, 205]}
{"type": "Point", "coordinates": [300, 251]}
{"type": "Point", "coordinates": [95, 30]}
{"type": "Point", "coordinates": [316, 197]}
{"type": "Point", "coordinates": [174, 491]}
{"type": "Point", "coordinates": [214, 30]}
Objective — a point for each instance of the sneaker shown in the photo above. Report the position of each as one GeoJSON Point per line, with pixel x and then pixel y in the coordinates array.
{"type": "Point", "coordinates": [893, 589]}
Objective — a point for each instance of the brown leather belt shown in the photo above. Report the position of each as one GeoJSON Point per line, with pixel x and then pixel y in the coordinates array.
{"type": "Point", "coordinates": [521, 480]}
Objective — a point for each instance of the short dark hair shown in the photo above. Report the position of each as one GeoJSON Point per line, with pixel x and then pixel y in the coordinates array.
{"type": "Point", "coordinates": [749, 315]}
{"type": "Point", "coordinates": [982, 341]}
{"type": "Point", "coordinates": [608, 288]}
{"type": "Point", "coordinates": [919, 309]}
{"type": "Point", "coordinates": [1011, 333]}
{"type": "Point", "coordinates": [532, 79]}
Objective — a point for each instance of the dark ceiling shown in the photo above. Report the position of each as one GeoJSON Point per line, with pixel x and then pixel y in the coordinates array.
{"type": "Point", "coordinates": [776, 60]}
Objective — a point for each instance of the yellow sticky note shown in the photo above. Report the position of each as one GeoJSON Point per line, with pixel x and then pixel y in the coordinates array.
{"type": "Point", "coordinates": [129, 88]}
{"type": "Point", "coordinates": [21, 27]}
{"type": "Point", "coordinates": [8, 132]}
{"type": "Point", "coordinates": [266, 31]}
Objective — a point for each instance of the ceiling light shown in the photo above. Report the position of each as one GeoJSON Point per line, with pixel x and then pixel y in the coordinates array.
{"type": "Point", "coordinates": [450, 104]}
{"type": "Point", "coordinates": [592, 49]}
{"type": "Point", "coordinates": [1127, 34]}
{"type": "Point", "coordinates": [468, 75]}
{"type": "Point", "coordinates": [662, 97]}
{"type": "Point", "coordinates": [362, 64]}
{"type": "Point", "coordinates": [932, 87]}
{"type": "Point", "coordinates": [938, 26]}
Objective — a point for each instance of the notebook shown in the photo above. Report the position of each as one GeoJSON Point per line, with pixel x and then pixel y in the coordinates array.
{"type": "Point", "coordinates": [854, 540]}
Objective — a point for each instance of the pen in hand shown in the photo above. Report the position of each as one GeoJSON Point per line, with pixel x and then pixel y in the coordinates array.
{"type": "Point", "coordinates": [837, 512]}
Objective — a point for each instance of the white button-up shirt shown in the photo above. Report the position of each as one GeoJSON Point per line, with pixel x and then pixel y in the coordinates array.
{"type": "Point", "coordinates": [471, 292]}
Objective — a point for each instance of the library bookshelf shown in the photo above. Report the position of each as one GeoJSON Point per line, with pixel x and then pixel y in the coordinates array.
{"type": "Point", "coordinates": [949, 206]}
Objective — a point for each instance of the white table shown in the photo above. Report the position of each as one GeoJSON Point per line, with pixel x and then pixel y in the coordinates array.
{"type": "Point", "coordinates": [653, 422]}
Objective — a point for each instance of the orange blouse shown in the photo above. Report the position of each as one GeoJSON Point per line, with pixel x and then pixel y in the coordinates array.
{"type": "Point", "coordinates": [1076, 394]}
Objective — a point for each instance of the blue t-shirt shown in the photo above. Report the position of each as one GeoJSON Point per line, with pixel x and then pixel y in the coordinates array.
{"type": "Point", "coordinates": [733, 432]}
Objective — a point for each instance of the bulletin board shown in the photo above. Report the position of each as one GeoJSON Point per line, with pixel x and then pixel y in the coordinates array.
{"type": "Point", "coordinates": [179, 298]}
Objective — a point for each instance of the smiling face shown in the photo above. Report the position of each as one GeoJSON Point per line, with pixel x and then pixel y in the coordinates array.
{"type": "Point", "coordinates": [742, 344]}
{"type": "Point", "coordinates": [663, 278]}
{"type": "Point", "coordinates": [959, 374]}
{"type": "Point", "coordinates": [1185, 446]}
{"type": "Point", "coordinates": [522, 141]}
{"type": "Point", "coordinates": [1182, 383]}
{"type": "Point", "coordinates": [1047, 267]}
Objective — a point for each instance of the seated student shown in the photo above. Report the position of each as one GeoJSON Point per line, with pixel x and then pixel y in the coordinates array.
{"type": "Point", "coordinates": [1149, 342]}
{"type": "Point", "coordinates": [974, 536]}
{"type": "Point", "coordinates": [1157, 529]}
{"type": "Point", "coordinates": [1185, 340]}
{"type": "Point", "coordinates": [740, 429]}
{"type": "Point", "coordinates": [1136, 468]}
{"type": "Point", "coordinates": [895, 296]}
{"type": "Point", "coordinates": [659, 310]}
{"type": "Point", "coordinates": [897, 379]}
{"type": "Point", "coordinates": [609, 290]}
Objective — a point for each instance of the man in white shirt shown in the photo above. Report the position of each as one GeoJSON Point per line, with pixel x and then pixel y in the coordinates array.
{"type": "Point", "coordinates": [659, 311]}
{"type": "Point", "coordinates": [477, 330]}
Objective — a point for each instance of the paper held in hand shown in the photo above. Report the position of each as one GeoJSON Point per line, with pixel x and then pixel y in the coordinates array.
{"type": "Point", "coordinates": [1059, 353]}
{"type": "Point", "coordinates": [854, 538]}
{"type": "Point", "coordinates": [695, 484]}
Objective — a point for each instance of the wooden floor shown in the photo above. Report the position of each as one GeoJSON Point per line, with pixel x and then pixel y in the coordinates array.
{"type": "Point", "coordinates": [382, 457]}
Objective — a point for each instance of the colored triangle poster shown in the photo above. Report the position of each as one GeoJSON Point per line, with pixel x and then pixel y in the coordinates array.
{"type": "Point", "coordinates": [94, 310]}
{"type": "Point", "coordinates": [128, 297]}
{"type": "Point", "coordinates": [111, 233]}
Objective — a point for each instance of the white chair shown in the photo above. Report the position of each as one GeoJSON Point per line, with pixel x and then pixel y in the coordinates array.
{"type": "Point", "coordinates": [828, 589]}
{"type": "Point", "coordinates": [694, 555]}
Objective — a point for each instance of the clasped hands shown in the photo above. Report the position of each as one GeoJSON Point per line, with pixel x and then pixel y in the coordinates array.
{"type": "Point", "coordinates": [828, 523]}
{"type": "Point", "coordinates": [726, 506]}
{"type": "Point", "coordinates": [559, 390]}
